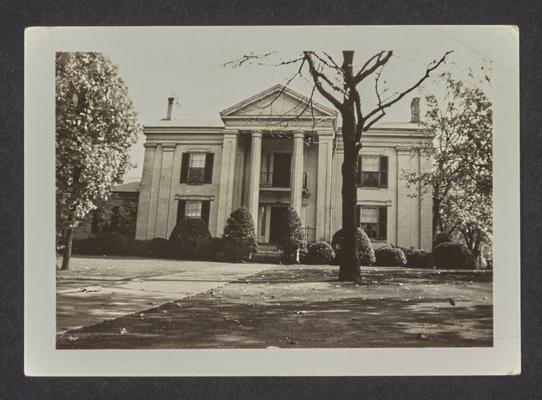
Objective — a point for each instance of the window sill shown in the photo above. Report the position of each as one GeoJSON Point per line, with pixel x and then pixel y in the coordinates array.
{"type": "Point", "coordinates": [372, 187]}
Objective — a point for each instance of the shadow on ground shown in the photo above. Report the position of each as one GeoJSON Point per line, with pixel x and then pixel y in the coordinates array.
{"type": "Point", "coordinates": [306, 307]}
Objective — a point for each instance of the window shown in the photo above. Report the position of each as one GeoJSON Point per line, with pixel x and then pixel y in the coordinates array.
{"type": "Point", "coordinates": [373, 171]}
{"type": "Point", "coordinates": [197, 168]}
{"type": "Point", "coordinates": [193, 209]}
{"type": "Point", "coordinates": [373, 220]}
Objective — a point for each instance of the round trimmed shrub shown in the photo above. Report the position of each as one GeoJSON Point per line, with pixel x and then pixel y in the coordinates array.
{"type": "Point", "coordinates": [417, 258]}
{"type": "Point", "coordinates": [189, 238]}
{"type": "Point", "coordinates": [239, 236]}
{"type": "Point", "coordinates": [390, 257]}
{"type": "Point", "coordinates": [441, 237]}
{"type": "Point", "coordinates": [452, 255]}
{"type": "Point", "coordinates": [320, 253]}
{"type": "Point", "coordinates": [365, 249]}
{"type": "Point", "coordinates": [293, 238]}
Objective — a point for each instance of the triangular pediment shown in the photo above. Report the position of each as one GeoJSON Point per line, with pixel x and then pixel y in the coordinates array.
{"type": "Point", "coordinates": [277, 102]}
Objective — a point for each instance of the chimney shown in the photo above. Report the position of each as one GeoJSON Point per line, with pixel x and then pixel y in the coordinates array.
{"type": "Point", "coordinates": [169, 107]}
{"type": "Point", "coordinates": [415, 110]}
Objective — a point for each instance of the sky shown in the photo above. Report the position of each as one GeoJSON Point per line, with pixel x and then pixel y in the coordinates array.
{"type": "Point", "coordinates": [189, 63]}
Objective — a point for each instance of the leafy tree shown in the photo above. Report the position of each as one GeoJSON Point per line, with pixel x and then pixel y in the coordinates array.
{"type": "Point", "coordinates": [293, 238]}
{"type": "Point", "coordinates": [95, 127]}
{"type": "Point", "coordinates": [461, 177]}
{"type": "Point", "coordinates": [239, 234]}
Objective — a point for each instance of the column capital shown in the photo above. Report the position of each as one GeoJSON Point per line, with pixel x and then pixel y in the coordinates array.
{"type": "Point", "coordinates": [150, 145]}
{"type": "Point", "coordinates": [403, 149]}
{"type": "Point", "coordinates": [325, 134]}
{"type": "Point", "coordinates": [257, 133]}
{"type": "Point", "coordinates": [298, 135]}
{"type": "Point", "coordinates": [169, 146]}
{"type": "Point", "coordinates": [230, 132]}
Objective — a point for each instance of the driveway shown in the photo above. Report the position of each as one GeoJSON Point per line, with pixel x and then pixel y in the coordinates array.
{"type": "Point", "coordinates": [99, 289]}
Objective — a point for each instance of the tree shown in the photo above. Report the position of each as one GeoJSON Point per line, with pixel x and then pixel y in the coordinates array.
{"type": "Point", "coordinates": [95, 127]}
{"type": "Point", "coordinates": [239, 235]}
{"type": "Point", "coordinates": [355, 121]}
{"type": "Point", "coordinates": [461, 176]}
{"type": "Point", "coordinates": [340, 85]}
{"type": "Point", "coordinates": [293, 239]}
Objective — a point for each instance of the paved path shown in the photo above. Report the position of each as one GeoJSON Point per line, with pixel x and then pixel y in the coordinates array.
{"type": "Point", "coordinates": [98, 289]}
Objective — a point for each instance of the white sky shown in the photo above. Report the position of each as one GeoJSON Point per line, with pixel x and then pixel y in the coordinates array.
{"type": "Point", "coordinates": [189, 63]}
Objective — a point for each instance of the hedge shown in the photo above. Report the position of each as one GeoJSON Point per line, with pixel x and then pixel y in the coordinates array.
{"type": "Point", "coordinates": [390, 257]}
{"type": "Point", "coordinates": [365, 249]}
{"type": "Point", "coordinates": [417, 258]}
{"type": "Point", "coordinates": [452, 255]}
{"type": "Point", "coordinates": [319, 253]}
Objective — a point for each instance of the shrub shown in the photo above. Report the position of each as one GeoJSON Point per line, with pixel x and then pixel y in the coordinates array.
{"type": "Point", "coordinates": [319, 253]}
{"type": "Point", "coordinates": [441, 237]}
{"type": "Point", "coordinates": [189, 237]}
{"type": "Point", "coordinates": [293, 237]}
{"type": "Point", "coordinates": [365, 249]}
{"type": "Point", "coordinates": [452, 255]}
{"type": "Point", "coordinates": [390, 257]}
{"type": "Point", "coordinates": [103, 244]}
{"type": "Point", "coordinates": [158, 248]}
{"type": "Point", "coordinates": [217, 250]}
{"type": "Point", "coordinates": [417, 258]}
{"type": "Point", "coordinates": [239, 235]}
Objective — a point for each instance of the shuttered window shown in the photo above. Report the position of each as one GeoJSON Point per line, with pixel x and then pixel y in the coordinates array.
{"type": "Point", "coordinates": [373, 171]}
{"type": "Point", "coordinates": [197, 168]}
{"type": "Point", "coordinates": [374, 221]}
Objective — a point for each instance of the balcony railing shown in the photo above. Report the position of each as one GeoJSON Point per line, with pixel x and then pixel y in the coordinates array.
{"type": "Point", "coordinates": [266, 180]}
{"type": "Point", "coordinates": [310, 234]}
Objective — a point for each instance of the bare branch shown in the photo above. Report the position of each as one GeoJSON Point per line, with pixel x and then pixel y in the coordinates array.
{"type": "Point", "coordinates": [248, 58]}
{"type": "Point", "coordinates": [316, 79]}
{"type": "Point", "coordinates": [381, 59]}
{"type": "Point", "coordinates": [377, 112]}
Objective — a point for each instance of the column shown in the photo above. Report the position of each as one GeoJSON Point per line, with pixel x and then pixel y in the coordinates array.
{"type": "Point", "coordinates": [296, 181]}
{"type": "Point", "coordinates": [323, 193]}
{"type": "Point", "coordinates": [254, 181]}
{"type": "Point", "coordinates": [426, 205]}
{"type": "Point", "coordinates": [164, 190]}
{"type": "Point", "coordinates": [153, 204]}
{"type": "Point", "coordinates": [405, 207]}
{"type": "Point", "coordinates": [227, 175]}
{"type": "Point", "coordinates": [145, 192]}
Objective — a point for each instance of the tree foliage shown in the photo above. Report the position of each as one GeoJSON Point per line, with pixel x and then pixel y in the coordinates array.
{"type": "Point", "coordinates": [239, 234]}
{"type": "Point", "coordinates": [461, 176]}
{"type": "Point", "coordinates": [293, 238]}
{"type": "Point", "coordinates": [95, 127]}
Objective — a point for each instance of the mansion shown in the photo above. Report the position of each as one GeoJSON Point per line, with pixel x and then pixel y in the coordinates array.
{"type": "Point", "coordinates": [272, 151]}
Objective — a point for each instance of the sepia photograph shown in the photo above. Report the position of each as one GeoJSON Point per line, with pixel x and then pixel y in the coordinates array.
{"type": "Point", "coordinates": [280, 188]}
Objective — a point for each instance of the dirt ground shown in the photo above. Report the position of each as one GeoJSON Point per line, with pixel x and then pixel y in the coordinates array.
{"type": "Point", "coordinates": [305, 306]}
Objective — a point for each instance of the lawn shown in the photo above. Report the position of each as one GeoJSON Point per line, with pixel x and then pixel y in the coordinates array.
{"type": "Point", "coordinates": [305, 306]}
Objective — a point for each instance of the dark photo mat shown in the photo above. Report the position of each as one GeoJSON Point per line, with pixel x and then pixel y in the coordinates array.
{"type": "Point", "coordinates": [19, 15]}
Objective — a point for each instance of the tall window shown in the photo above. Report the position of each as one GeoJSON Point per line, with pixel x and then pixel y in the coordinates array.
{"type": "Point", "coordinates": [197, 168]}
{"type": "Point", "coordinates": [373, 220]}
{"type": "Point", "coordinates": [373, 171]}
{"type": "Point", "coordinates": [193, 209]}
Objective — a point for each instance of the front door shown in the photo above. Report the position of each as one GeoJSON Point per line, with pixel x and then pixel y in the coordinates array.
{"type": "Point", "coordinates": [277, 226]}
{"type": "Point", "coordinates": [281, 169]}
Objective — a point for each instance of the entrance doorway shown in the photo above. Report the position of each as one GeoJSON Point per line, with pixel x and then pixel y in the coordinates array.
{"type": "Point", "coordinates": [277, 225]}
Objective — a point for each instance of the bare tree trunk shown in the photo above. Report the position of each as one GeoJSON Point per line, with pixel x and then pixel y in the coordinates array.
{"type": "Point", "coordinates": [350, 264]}
{"type": "Point", "coordinates": [67, 249]}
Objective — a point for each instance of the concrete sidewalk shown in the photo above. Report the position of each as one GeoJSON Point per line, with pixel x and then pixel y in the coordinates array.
{"type": "Point", "coordinates": [99, 289]}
